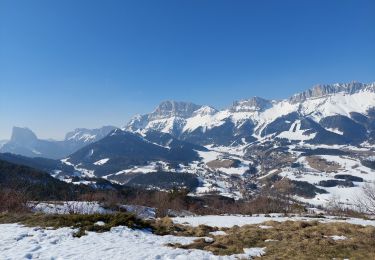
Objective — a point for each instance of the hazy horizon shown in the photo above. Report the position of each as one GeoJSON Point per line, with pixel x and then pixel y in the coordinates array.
{"type": "Point", "coordinates": [73, 64]}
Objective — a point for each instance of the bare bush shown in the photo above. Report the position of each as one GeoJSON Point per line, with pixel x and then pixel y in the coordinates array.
{"type": "Point", "coordinates": [366, 203]}
{"type": "Point", "coordinates": [276, 197]}
{"type": "Point", "coordinates": [109, 199]}
{"type": "Point", "coordinates": [12, 201]}
{"type": "Point", "coordinates": [334, 206]}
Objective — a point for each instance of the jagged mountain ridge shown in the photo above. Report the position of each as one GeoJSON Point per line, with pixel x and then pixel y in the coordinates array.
{"type": "Point", "coordinates": [326, 89]}
{"type": "Point", "coordinates": [318, 115]}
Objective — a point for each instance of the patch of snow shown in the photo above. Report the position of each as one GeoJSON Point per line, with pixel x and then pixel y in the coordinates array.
{"type": "Point", "coordinates": [68, 207]}
{"type": "Point", "coordinates": [102, 161]}
{"type": "Point", "coordinates": [271, 240]}
{"type": "Point", "coordinates": [241, 220]}
{"type": "Point", "coordinates": [265, 227]}
{"type": "Point", "coordinates": [336, 238]}
{"type": "Point", "coordinates": [208, 156]}
{"type": "Point", "coordinates": [253, 252]}
{"type": "Point", "coordinates": [141, 211]}
{"type": "Point", "coordinates": [152, 167]}
{"type": "Point", "coordinates": [99, 223]}
{"type": "Point", "coordinates": [268, 174]}
{"type": "Point", "coordinates": [205, 119]}
{"type": "Point", "coordinates": [88, 173]}
{"type": "Point", "coordinates": [335, 130]}
{"type": "Point", "coordinates": [295, 133]}
{"type": "Point", "coordinates": [66, 161]}
{"type": "Point", "coordinates": [36, 152]}
{"type": "Point", "coordinates": [218, 233]}
{"type": "Point", "coordinates": [208, 239]}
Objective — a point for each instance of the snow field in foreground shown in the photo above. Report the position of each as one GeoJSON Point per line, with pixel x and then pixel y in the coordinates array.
{"type": "Point", "coordinates": [19, 242]}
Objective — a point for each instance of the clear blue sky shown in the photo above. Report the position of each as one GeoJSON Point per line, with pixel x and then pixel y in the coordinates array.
{"type": "Point", "coordinates": [85, 63]}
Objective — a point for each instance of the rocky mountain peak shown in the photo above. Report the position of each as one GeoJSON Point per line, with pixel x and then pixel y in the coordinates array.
{"type": "Point", "coordinates": [23, 135]}
{"type": "Point", "coordinates": [173, 108]}
{"type": "Point", "coordinates": [250, 105]}
{"type": "Point", "coordinates": [205, 110]}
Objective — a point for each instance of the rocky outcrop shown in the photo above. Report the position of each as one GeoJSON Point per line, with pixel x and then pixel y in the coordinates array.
{"type": "Point", "coordinates": [324, 90]}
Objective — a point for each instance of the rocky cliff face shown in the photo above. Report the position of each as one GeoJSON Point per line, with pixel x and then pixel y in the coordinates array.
{"type": "Point", "coordinates": [250, 105]}
{"type": "Point", "coordinates": [168, 109]}
{"type": "Point", "coordinates": [23, 136]}
{"type": "Point", "coordinates": [324, 90]}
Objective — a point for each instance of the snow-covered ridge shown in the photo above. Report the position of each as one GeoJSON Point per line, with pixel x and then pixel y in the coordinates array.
{"type": "Point", "coordinates": [88, 135]}
{"type": "Point", "coordinates": [316, 103]}
{"type": "Point", "coordinates": [83, 137]}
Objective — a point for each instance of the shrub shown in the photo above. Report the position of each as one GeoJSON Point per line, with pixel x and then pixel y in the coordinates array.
{"type": "Point", "coordinates": [12, 201]}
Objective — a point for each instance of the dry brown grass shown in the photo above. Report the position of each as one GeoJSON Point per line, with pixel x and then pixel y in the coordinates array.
{"type": "Point", "coordinates": [165, 226]}
{"type": "Point", "coordinates": [83, 222]}
{"type": "Point", "coordinates": [295, 240]}
{"type": "Point", "coordinates": [288, 240]}
{"type": "Point", "coordinates": [322, 165]}
{"type": "Point", "coordinates": [224, 163]}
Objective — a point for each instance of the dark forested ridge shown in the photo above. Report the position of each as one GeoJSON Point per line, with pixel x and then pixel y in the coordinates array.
{"type": "Point", "coordinates": [36, 184]}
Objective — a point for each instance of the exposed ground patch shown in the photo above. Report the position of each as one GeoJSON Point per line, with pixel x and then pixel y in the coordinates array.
{"type": "Point", "coordinates": [322, 165]}
{"type": "Point", "coordinates": [294, 240]}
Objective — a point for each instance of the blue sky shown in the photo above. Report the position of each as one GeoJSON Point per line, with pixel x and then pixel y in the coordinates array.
{"type": "Point", "coordinates": [85, 63]}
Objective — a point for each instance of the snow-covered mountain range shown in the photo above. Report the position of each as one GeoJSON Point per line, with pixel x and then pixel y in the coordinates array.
{"type": "Point", "coordinates": [325, 114]}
